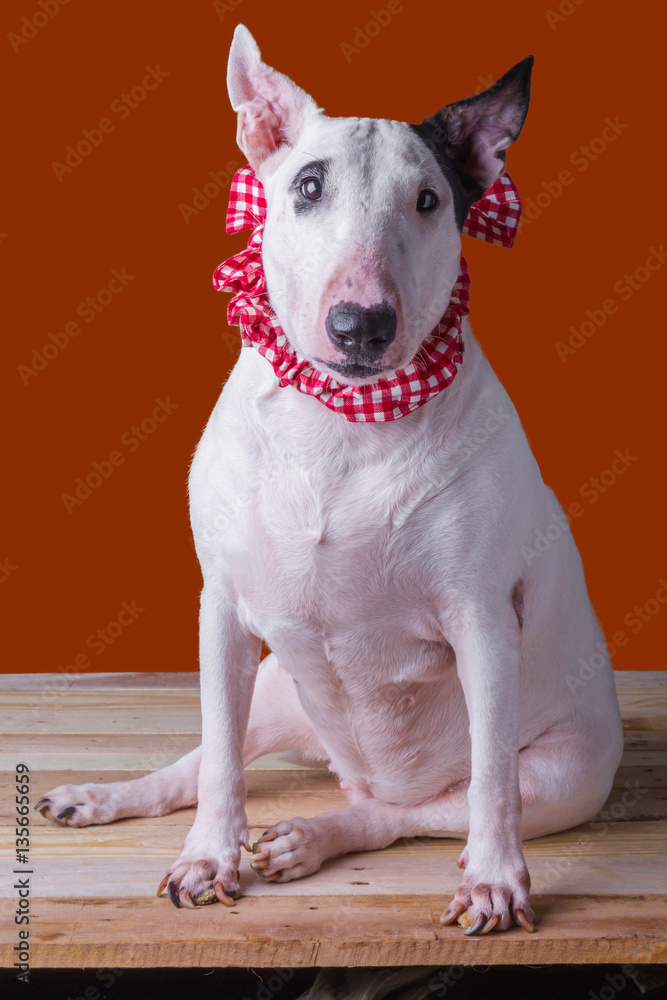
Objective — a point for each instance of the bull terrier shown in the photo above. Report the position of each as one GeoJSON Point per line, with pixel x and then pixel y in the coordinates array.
{"type": "Point", "coordinates": [421, 646]}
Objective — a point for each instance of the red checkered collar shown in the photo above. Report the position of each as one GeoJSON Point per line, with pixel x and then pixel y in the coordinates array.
{"type": "Point", "coordinates": [494, 218]}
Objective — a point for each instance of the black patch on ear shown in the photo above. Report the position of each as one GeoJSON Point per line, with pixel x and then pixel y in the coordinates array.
{"type": "Point", "coordinates": [465, 189]}
{"type": "Point", "coordinates": [447, 133]}
{"type": "Point", "coordinates": [517, 78]}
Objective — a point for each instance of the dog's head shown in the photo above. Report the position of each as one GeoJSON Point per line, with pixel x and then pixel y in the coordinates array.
{"type": "Point", "coordinates": [362, 238]}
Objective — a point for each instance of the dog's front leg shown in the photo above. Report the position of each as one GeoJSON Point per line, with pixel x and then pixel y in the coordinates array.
{"type": "Point", "coordinates": [494, 891]}
{"type": "Point", "coordinates": [229, 656]}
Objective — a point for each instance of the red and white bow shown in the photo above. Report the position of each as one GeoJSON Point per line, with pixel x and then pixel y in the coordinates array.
{"type": "Point", "coordinates": [494, 218]}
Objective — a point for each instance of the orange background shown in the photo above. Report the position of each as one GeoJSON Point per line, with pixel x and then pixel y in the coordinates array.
{"type": "Point", "coordinates": [66, 575]}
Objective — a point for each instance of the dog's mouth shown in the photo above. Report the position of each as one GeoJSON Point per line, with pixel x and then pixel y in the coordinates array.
{"type": "Point", "coordinates": [354, 369]}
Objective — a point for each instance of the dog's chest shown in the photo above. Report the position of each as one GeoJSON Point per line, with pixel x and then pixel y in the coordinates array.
{"type": "Point", "coordinates": [328, 555]}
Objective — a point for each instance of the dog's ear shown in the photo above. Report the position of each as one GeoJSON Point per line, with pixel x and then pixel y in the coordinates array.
{"type": "Point", "coordinates": [476, 131]}
{"type": "Point", "coordinates": [271, 109]}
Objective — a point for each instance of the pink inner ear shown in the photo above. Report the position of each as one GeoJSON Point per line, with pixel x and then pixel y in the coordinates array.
{"type": "Point", "coordinates": [484, 162]}
{"type": "Point", "coordinates": [259, 128]}
{"type": "Point", "coordinates": [271, 109]}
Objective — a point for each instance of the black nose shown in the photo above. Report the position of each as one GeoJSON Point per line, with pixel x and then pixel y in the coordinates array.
{"type": "Point", "coordinates": [358, 330]}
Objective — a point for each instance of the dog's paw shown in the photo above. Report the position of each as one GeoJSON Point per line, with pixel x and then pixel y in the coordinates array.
{"type": "Point", "coordinates": [196, 882]}
{"type": "Point", "coordinates": [289, 850]}
{"type": "Point", "coordinates": [485, 903]}
{"type": "Point", "coordinates": [208, 866]}
{"type": "Point", "coordinates": [78, 805]}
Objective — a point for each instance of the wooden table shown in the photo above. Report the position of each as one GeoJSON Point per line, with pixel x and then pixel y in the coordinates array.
{"type": "Point", "coordinates": [599, 890]}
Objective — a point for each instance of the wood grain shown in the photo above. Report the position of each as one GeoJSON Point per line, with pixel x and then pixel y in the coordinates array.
{"type": "Point", "coordinates": [600, 889]}
{"type": "Point", "coordinates": [313, 930]}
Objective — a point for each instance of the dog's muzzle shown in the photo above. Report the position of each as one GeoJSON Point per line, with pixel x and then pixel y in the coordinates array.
{"type": "Point", "coordinates": [360, 331]}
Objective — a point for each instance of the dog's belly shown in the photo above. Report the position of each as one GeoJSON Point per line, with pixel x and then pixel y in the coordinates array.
{"type": "Point", "coordinates": [401, 741]}
{"type": "Point", "coordinates": [388, 708]}
{"type": "Point", "coordinates": [378, 684]}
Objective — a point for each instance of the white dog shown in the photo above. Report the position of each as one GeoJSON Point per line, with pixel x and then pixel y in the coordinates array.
{"type": "Point", "coordinates": [416, 647]}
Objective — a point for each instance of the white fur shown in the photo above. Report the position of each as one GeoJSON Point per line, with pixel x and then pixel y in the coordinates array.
{"type": "Point", "coordinates": [381, 562]}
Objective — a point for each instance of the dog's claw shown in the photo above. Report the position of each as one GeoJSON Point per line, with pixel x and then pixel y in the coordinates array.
{"type": "Point", "coordinates": [180, 897]}
{"type": "Point", "coordinates": [495, 919]}
{"type": "Point", "coordinates": [42, 802]}
{"type": "Point", "coordinates": [227, 899]}
{"type": "Point", "coordinates": [260, 856]}
{"type": "Point", "coordinates": [267, 835]}
{"type": "Point", "coordinates": [477, 926]}
{"type": "Point", "coordinates": [450, 916]}
{"type": "Point", "coordinates": [259, 866]}
{"type": "Point", "coordinates": [524, 922]}
{"type": "Point", "coordinates": [66, 813]}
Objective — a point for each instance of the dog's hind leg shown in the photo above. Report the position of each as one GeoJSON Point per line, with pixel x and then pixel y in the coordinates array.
{"type": "Point", "coordinates": [155, 794]}
{"type": "Point", "coordinates": [564, 778]}
{"type": "Point", "coordinates": [277, 722]}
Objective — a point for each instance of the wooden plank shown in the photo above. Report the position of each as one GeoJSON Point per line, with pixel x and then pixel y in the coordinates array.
{"type": "Point", "coordinates": [164, 833]}
{"type": "Point", "coordinates": [109, 751]}
{"type": "Point", "coordinates": [98, 752]}
{"type": "Point", "coordinates": [148, 752]}
{"type": "Point", "coordinates": [642, 776]}
{"type": "Point", "coordinates": [85, 721]}
{"type": "Point", "coordinates": [625, 679]}
{"type": "Point", "coordinates": [642, 696]}
{"type": "Point", "coordinates": [640, 712]}
{"type": "Point", "coordinates": [393, 873]}
{"type": "Point", "coordinates": [110, 699]}
{"type": "Point", "coordinates": [636, 739]}
{"type": "Point", "coordinates": [629, 684]}
{"type": "Point", "coordinates": [636, 680]}
{"type": "Point", "coordinates": [645, 804]}
{"type": "Point", "coordinates": [333, 931]}
{"type": "Point", "coordinates": [636, 759]}
{"type": "Point", "coordinates": [122, 680]}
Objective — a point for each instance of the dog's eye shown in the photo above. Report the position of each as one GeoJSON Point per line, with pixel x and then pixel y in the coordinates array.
{"type": "Point", "coordinates": [427, 200]}
{"type": "Point", "coordinates": [311, 188]}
